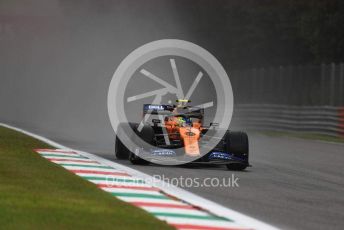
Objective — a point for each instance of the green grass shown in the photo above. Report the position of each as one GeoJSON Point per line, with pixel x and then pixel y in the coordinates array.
{"type": "Point", "coordinates": [310, 136]}
{"type": "Point", "coordinates": [37, 194]}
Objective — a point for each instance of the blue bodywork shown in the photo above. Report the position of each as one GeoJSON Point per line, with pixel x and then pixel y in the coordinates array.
{"type": "Point", "coordinates": [224, 156]}
{"type": "Point", "coordinates": [163, 152]}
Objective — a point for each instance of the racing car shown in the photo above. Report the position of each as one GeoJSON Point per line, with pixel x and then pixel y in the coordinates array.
{"type": "Point", "coordinates": [177, 132]}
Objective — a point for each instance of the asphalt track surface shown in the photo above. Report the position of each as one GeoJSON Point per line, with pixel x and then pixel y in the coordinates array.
{"type": "Point", "coordinates": [293, 184]}
{"type": "Point", "coordinates": [57, 60]}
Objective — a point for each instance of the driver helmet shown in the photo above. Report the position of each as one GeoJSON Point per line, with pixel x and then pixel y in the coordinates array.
{"type": "Point", "coordinates": [184, 121]}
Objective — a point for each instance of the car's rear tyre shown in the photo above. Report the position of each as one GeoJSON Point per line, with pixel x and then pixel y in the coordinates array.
{"type": "Point", "coordinates": [147, 135]}
{"type": "Point", "coordinates": [236, 167]}
{"type": "Point", "coordinates": [237, 143]}
{"type": "Point", "coordinates": [121, 151]}
{"type": "Point", "coordinates": [135, 160]}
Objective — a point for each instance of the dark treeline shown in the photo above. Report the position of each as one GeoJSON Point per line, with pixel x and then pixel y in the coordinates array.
{"type": "Point", "coordinates": [257, 33]}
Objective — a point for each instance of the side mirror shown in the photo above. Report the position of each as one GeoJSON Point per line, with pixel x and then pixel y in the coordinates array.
{"type": "Point", "coordinates": [156, 121]}
{"type": "Point", "coordinates": [214, 124]}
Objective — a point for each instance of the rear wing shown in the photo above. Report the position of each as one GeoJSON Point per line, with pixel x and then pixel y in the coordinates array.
{"type": "Point", "coordinates": [157, 109]}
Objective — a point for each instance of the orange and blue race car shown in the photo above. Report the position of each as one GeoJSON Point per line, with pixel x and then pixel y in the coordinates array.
{"type": "Point", "coordinates": [177, 134]}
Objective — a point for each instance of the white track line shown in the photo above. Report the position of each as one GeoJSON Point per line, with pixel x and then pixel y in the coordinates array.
{"type": "Point", "coordinates": [146, 199]}
{"type": "Point", "coordinates": [56, 154]}
{"type": "Point", "coordinates": [125, 190]}
{"type": "Point", "coordinates": [193, 199]}
{"type": "Point", "coordinates": [200, 222]}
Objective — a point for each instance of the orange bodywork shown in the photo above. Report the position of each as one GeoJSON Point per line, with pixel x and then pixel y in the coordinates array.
{"type": "Point", "coordinates": [188, 134]}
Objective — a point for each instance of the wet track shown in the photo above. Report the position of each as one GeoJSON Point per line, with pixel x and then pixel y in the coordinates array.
{"type": "Point", "coordinates": [57, 60]}
{"type": "Point", "coordinates": [293, 184]}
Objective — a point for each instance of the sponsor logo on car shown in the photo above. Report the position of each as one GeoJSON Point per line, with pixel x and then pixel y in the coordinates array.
{"type": "Point", "coordinates": [163, 152]}
{"type": "Point", "coordinates": [156, 107]}
{"type": "Point", "coordinates": [190, 134]}
{"type": "Point", "coordinates": [220, 155]}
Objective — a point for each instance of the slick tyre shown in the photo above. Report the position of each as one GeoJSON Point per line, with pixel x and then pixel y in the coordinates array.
{"type": "Point", "coordinates": [121, 151]}
{"type": "Point", "coordinates": [136, 160]}
{"type": "Point", "coordinates": [237, 143]}
{"type": "Point", "coordinates": [146, 135]}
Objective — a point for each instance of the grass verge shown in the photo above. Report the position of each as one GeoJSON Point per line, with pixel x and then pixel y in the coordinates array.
{"type": "Point", "coordinates": [37, 194]}
{"type": "Point", "coordinates": [309, 136]}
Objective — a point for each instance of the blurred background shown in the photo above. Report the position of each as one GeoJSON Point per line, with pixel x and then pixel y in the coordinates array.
{"type": "Point", "coordinates": [284, 58]}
